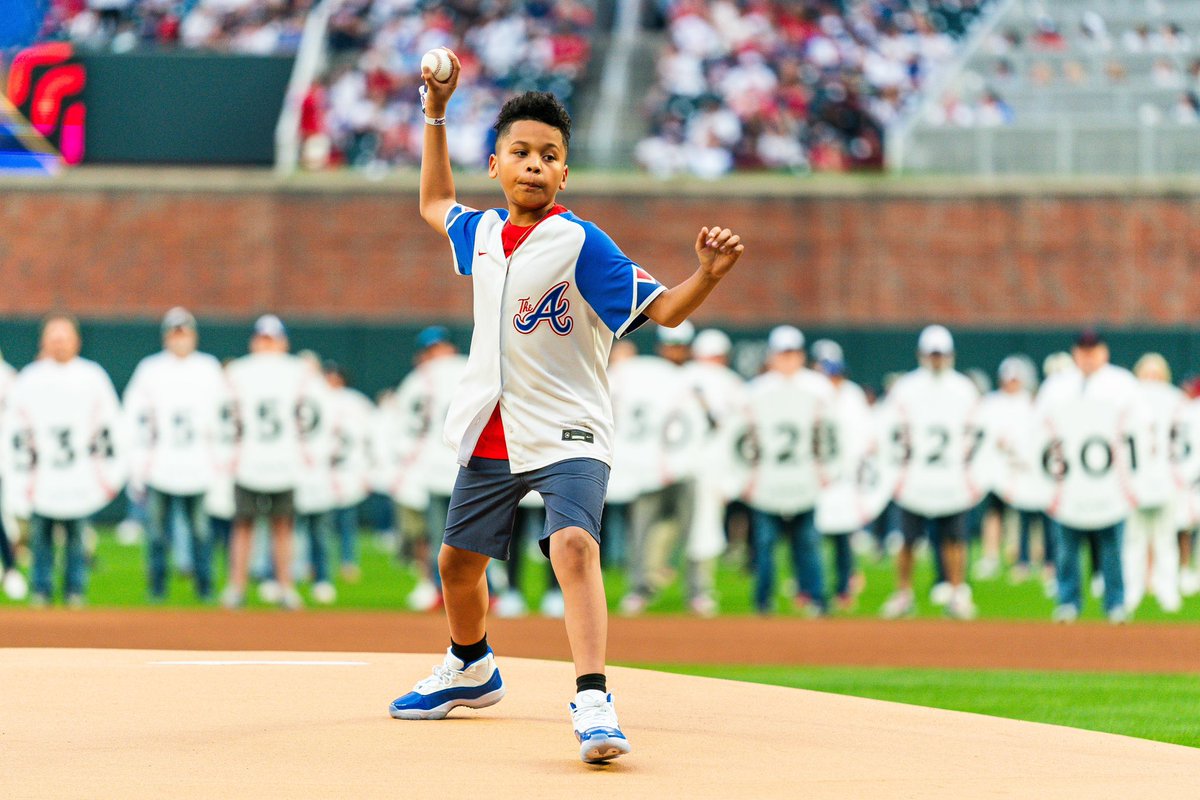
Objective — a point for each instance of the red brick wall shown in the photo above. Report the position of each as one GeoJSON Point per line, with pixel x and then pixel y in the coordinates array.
{"type": "Point", "coordinates": [848, 261]}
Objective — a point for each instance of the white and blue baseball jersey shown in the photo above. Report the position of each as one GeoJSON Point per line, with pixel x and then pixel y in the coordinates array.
{"type": "Point", "coordinates": [545, 319]}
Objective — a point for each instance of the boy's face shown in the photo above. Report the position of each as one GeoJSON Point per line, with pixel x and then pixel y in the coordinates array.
{"type": "Point", "coordinates": [531, 164]}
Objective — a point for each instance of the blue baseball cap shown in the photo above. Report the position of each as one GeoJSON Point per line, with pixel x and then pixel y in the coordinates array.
{"type": "Point", "coordinates": [270, 326]}
{"type": "Point", "coordinates": [434, 334]}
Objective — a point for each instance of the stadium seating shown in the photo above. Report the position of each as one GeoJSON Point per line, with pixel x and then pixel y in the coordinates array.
{"type": "Point", "coordinates": [363, 112]}
{"type": "Point", "coordinates": [798, 86]}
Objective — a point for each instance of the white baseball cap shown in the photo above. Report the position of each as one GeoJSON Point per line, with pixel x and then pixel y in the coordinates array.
{"type": "Point", "coordinates": [1015, 368]}
{"type": "Point", "coordinates": [271, 326]}
{"type": "Point", "coordinates": [785, 338]}
{"type": "Point", "coordinates": [683, 333]}
{"type": "Point", "coordinates": [935, 339]}
{"type": "Point", "coordinates": [711, 343]}
{"type": "Point", "coordinates": [827, 350]}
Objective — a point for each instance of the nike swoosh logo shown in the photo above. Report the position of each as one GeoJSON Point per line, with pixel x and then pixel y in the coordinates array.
{"type": "Point", "coordinates": [481, 253]}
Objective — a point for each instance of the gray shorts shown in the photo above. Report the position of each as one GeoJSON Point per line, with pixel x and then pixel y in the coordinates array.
{"type": "Point", "coordinates": [484, 502]}
{"type": "Point", "coordinates": [251, 504]}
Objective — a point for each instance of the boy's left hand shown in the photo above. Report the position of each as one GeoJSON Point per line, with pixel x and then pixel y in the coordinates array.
{"type": "Point", "coordinates": [718, 250]}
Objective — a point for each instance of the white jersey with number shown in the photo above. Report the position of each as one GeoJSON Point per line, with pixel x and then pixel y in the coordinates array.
{"type": "Point", "coordinates": [438, 382]}
{"type": "Point", "coordinates": [1185, 463]}
{"type": "Point", "coordinates": [64, 442]}
{"type": "Point", "coordinates": [315, 492]}
{"type": "Point", "coordinates": [1156, 480]}
{"type": "Point", "coordinates": [658, 427]}
{"type": "Point", "coordinates": [722, 395]}
{"type": "Point", "coordinates": [1009, 463]}
{"type": "Point", "coordinates": [1091, 435]}
{"type": "Point", "coordinates": [272, 393]}
{"type": "Point", "coordinates": [934, 437]}
{"type": "Point", "coordinates": [402, 426]}
{"type": "Point", "coordinates": [857, 488]}
{"type": "Point", "coordinates": [173, 407]}
{"type": "Point", "coordinates": [353, 415]}
{"type": "Point", "coordinates": [777, 440]}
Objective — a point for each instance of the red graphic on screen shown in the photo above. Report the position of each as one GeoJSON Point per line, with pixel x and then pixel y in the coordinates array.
{"type": "Point", "coordinates": [44, 83]}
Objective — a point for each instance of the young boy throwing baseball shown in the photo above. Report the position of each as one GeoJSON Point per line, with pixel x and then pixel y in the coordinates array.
{"type": "Point", "coordinates": [533, 411]}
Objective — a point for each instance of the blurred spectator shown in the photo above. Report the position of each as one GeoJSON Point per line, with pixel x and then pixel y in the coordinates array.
{"type": "Point", "coordinates": [809, 85]}
{"type": "Point", "coordinates": [371, 118]}
{"type": "Point", "coordinates": [1186, 110]}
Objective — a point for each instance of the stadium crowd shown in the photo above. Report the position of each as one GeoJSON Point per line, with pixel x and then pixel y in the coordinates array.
{"type": "Point", "coordinates": [363, 112]}
{"type": "Point", "coordinates": [267, 459]}
{"type": "Point", "coordinates": [790, 85]}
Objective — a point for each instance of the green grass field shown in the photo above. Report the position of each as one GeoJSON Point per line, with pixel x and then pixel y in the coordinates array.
{"type": "Point", "coordinates": [118, 579]}
{"type": "Point", "coordinates": [1159, 707]}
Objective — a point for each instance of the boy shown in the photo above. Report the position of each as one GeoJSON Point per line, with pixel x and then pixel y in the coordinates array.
{"type": "Point", "coordinates": [533, 412]}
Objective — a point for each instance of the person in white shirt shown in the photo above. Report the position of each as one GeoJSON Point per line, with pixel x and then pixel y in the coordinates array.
{"type": "Point", "coordinates": [787, 407]}
{"type": "Point", "coordinates": [173, 406]}
{"type": "Point", "coordinates": [352, 420]}
{"type": "Point", "coordinates": [11, 578]}
{"type": "Point", "coordinates": [1150, 547]}
{"type": "Point", "coordinates": [314, 497]}
{"type": "Point", "coordinates": [64, 452]}
{"type": "Point", "coordinates": [272, 391]}
{"type": "Point", "coordinates": [931, 415]}
{"type": "Point", "coordinates": [660, 424]}
{"type": "Point", "coordinates": [721, 393]}
{"type": "Point", "coordinates": [1093, 430]}
{"type": "Point", "coordinates": [850, 449]}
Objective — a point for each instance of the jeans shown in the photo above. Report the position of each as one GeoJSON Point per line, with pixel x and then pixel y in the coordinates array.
{"type": "Point", "coordinates": [1108, 543]}
{"type": "Point", "coordinates": [345, 522]}
{"type": "Point", "coordinates": [318, 528]}
{"type": "Point", "coordinates": [843, 562]}
{"type": "Point", "coordinates": [160, 511]}
{"type": "Point", "coordinates": [805, 542]}
{"type": "Point", "coordinates": [41, 532]}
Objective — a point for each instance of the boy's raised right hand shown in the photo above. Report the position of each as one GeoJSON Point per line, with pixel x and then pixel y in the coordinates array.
{"type": "Point", "coordinates": [437, 93]}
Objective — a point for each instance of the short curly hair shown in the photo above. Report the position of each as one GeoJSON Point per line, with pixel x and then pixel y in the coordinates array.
{"type": "Point", "coordinates": [537, 106]}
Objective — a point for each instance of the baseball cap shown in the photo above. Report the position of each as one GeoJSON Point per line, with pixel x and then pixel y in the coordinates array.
{"type": "Point", "coordinates": [1013, 368]}
{"type": "Point", "coordinates": [711, 343]}
{"type": "Point", "coordinates": [935, 340]}
{"type": "Point", "coordinates": [784, 338]}
{"type": "Point", "coordinates": [270, 326]}
{"type": "Point", "coordinates": [681, 334]}
{"type": "Point", "coordinates": [434, 334]}
{"type": "Point", "coordinates": [1089, 337]}
{"type": "Point", "coordinates": [178, 317]}
{"type": "Point", "coordinates": [828, 354]}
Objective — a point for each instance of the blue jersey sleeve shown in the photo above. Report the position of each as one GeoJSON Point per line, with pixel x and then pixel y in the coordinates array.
{"type": "Point", "coordinates": [616, 288]}
{"type": "Point", "coordinates": [461, 225]}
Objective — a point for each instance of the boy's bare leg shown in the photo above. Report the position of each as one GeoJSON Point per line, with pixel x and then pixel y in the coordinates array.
{"type": "Point", "coordinates": [465, 593]}
{"type": "Point", "coordinates": [575, 556]}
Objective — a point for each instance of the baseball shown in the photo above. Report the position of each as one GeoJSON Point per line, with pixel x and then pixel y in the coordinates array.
{"type": "Point", "coordinates": [438, 61]}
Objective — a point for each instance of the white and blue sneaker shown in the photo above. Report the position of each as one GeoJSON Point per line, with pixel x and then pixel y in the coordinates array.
{"type": "Point", "coordinates": [452, 684]}
{"type": "Point", "coordinates": [596, 727]}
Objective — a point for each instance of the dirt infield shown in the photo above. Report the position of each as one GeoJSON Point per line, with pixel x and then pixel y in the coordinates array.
{"type": "Point", "coordinates": [201, 724]}
{"type": "Point", "coordinates": [730, 640]}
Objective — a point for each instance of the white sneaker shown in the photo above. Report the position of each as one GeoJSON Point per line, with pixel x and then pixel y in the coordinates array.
{"type": "Point", "coordinates": [1189, 582]}
{"type": "Point", "coordinates": [1098, 586]}
{"type": "Point", "coordinates": [290, 599]}
{"type": "Point", "coordinates": [900, 604]}
{"type": "Point", "coordinates": [452, 684]}
{"type": "Point", "coordinates": [270, 592]}
{"type": "Point", "coordinates": [633, 604]}
{"type": "Point", "coordinates": [1118, 616]}
{"type": "Point", "coordinates": [1065, 613]}
{"type": "Point", "coordinates": [511, 605]}
{"type": "Point", "coordinates": [961, 605]}
{"type": "Point", "coordinates": [423, 597]}
{"type": "Point", "coordinates": [553, 605]}
{"type": "Point", "coordinates": [987, 568]}
{"type": "Point", "coordinates": [324, 593]}
{"type": "Point", "coordinates": [704, 605]}
{"type": "Point", "coordinates": [596, 727]}
{"type": "Point", "coordinates": [15, 585]}
{"type": "Point", "coordinates": [232, 597]}
{"type": "Point", "coordinates": [941, 593]}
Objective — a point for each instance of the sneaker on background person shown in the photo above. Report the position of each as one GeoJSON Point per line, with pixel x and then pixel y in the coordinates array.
{"type": "Point", "coordinates": [902, 603]}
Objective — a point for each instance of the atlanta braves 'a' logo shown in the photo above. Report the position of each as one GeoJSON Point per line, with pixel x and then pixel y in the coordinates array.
{"type": "Point", "coordinates": [552, 308]}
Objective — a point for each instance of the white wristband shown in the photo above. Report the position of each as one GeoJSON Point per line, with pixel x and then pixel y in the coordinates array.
{"type": "Point", "coordinates": [439, 121]}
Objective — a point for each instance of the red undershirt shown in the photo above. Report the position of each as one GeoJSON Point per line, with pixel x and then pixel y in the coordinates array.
{"type": "Point", "coordinates": [491, 442]}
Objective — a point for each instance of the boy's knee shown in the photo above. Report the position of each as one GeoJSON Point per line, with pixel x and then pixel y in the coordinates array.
{"type": "Point", "coordinates": [575, 546]}
{"type": "Point", "coordinates": [456, 565]}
